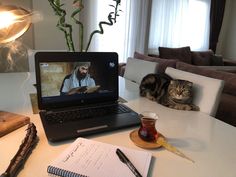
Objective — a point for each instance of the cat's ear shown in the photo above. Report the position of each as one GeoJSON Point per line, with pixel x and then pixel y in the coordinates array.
{"type": "Point", "coordinates": [172, 81]}
{"type": "Point", "coordinates": [190, 84]}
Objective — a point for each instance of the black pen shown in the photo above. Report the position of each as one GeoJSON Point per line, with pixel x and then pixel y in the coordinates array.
{"type": "Point", "coordinates": [125, 160]}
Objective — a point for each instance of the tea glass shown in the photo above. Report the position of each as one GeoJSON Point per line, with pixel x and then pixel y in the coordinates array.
{"type": "Point", "coordinates": [147, 130]}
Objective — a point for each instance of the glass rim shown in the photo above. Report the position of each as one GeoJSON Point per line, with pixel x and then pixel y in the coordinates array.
{"type": "Point", "coordinates": [149, 114]}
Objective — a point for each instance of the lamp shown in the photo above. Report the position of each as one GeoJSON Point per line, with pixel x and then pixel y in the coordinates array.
{"type": "Point", "coordinates": [14, 22]}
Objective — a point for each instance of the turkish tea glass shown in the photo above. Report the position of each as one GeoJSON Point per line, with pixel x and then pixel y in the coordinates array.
{"type": "Point", "coordinates": [147, 130]}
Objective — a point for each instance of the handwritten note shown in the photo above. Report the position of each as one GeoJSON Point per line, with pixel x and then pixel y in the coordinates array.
{"type": "Point", "coordinates": [92, 158]}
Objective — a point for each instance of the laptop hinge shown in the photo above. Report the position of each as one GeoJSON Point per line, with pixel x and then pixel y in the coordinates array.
{"type": "Point", "coordinates": [53, 110]}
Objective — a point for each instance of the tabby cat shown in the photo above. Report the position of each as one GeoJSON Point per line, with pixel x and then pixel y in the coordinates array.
{"type": "Point", "coordinates": [154, 86]}
{"type": "Point", "coordinates": [173, 93]}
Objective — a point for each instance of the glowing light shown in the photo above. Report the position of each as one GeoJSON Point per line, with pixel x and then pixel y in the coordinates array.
{"type": "Point", "coordinates": [14, 22]}
{"type": "Point", "coordinates": [7, 19]}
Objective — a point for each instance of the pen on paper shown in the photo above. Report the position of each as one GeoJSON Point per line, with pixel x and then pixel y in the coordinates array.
{"type": "Point", "coordinates": [126, 161]}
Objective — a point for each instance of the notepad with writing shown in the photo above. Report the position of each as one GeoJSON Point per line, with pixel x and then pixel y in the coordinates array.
{"type": "Point", "coordinates": [91, 158]}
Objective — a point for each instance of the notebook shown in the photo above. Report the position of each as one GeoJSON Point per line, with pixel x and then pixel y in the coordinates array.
{"type": "Point", "coordinates": [62, 87]}
{"type": "Point", "coordinates": [92, 158]}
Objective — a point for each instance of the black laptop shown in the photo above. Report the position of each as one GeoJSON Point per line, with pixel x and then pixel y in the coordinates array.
{"type": "Point", "coordinates": [73, 103]}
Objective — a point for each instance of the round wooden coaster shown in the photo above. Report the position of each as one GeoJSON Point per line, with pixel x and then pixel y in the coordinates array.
{"type": "Point", "coordinates": [141, 143]}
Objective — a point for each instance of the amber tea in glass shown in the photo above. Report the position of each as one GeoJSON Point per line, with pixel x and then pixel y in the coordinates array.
{"type": "Point", "coordinates": [147, 130]}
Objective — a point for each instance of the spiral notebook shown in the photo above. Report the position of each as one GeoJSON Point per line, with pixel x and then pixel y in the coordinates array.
{"type": "Point", "coordinates": [92, 158]}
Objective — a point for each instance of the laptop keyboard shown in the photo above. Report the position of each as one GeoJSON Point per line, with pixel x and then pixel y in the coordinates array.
{"type": "Point", "coordinates": [84, 113]}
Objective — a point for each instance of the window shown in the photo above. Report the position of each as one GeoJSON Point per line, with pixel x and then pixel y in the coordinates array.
{"type": "Point", "coordinates": [113, 38]}
{"type": "Point", "coordinates": [178, 23]}
{"type": "Point", "coordinates": [130, 31]}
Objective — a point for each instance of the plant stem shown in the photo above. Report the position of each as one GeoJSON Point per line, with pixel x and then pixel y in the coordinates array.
{"type": "Point", "coordinates": [110, 23]}
{"type": "Point", "coordinates": [81, 26]}
{"type": "Point", "coordinates": [101, 31]}
{"type": "Point", "coordinates": [67, 28]}
{"type": "Point", "coordinates": [62, 25]}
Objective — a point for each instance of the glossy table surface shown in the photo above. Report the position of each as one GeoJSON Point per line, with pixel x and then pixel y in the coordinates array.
{"type": "Point", "coordinates": [208, 141]}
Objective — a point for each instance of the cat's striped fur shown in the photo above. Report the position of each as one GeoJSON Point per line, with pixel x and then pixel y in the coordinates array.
{"type": "Point", "coordinates": [173, 93]}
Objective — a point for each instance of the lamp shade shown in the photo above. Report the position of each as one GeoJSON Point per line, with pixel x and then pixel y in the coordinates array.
{"type": "Point", "coordinates": [14, 22]}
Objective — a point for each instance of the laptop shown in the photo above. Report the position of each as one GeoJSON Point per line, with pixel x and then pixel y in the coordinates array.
{"type": "Point", "coordinates": [64, 94]}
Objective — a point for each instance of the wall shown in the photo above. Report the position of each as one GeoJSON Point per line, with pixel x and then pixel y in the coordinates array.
{"type": "Point", "coordinates": [227, 39]}
{"type": "Point", "coordinates": [47, 35]}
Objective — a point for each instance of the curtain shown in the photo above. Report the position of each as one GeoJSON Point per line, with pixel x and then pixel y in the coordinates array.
{"type": "Point", "coordinates": [137, 26]}
{"type": "Point", "coordinates": [128, 34]}
{"type": "Point", "coordinates": [178, 23]}
{"type": "Point", "coordinates": [216, 19]}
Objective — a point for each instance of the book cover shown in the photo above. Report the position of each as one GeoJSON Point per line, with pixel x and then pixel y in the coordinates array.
{"type": "Point", "coordinates": [91, 158]}
{"type": "Point", "coordinates": [11, 121]}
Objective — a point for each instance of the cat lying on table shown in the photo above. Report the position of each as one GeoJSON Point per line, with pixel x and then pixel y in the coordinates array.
{"type": "Point", "coordinates": [173, 93]}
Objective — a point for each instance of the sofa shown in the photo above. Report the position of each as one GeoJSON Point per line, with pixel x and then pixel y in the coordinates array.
{"type": "Point", "coordinates": [227, 106]}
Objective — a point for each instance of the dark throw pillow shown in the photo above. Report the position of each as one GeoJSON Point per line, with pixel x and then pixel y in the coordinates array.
{"type": "Point", "coordinates": [217, 60]}
{"type": "Point", "coordinates": [183, 54]}
{"type": "Point", "coordinates": [202, 58]}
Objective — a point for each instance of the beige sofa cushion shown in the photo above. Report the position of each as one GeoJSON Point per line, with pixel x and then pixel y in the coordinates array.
{"type": "Point", "coordinates": [136, 69]}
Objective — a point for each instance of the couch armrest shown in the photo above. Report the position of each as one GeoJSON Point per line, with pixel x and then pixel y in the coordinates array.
{"type": "Point", "coordinates": [121, 69]}
{"type": "Point", "coordinates": [228, 62]}
{"type": "Point", "coordinates": [230, 69]}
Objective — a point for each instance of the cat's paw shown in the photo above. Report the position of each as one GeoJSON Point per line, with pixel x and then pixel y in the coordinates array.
{"type": "Point", "coordinates": [195, 108]}
{"type": "Point", "coordinates": [187, 108]}
{"type": "Point", "coordinates": [152, 98]}
{"type": "Point", "coordinates": [182, 107]}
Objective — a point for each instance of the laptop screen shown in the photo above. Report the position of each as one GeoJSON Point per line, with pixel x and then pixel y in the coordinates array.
{"type": "Point", "coordinates": [66, 79]}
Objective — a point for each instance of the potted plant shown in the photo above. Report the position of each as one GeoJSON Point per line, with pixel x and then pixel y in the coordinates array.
{"type": "Point", "coordinates": [67, 29]}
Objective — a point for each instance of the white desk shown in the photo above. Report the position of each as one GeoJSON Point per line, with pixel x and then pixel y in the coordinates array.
{"type": "Point", "coordinates": [210, 142]}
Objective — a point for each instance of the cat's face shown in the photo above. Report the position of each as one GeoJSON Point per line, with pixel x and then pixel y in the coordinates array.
{"type": "Point", "coordinates": [180, 90]}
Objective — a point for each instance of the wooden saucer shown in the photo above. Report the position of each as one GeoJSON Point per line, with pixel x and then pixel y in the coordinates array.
{"type": "Point", "coordinates": [141, 143]}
